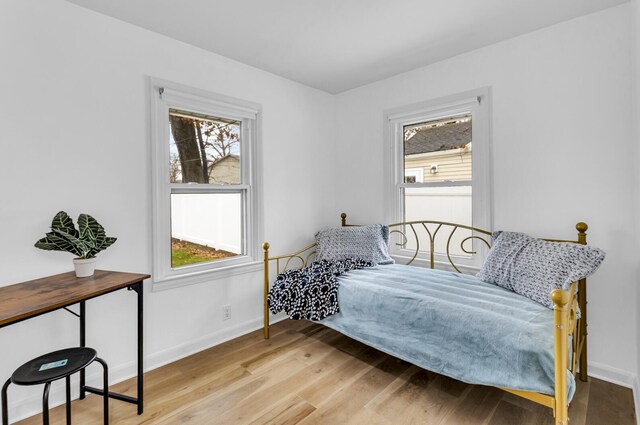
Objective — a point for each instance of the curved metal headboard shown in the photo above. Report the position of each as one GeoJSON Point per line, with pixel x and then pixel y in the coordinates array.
{"type": "Point", "coordinates": [300, 258]}
{"type": "Point", "coordinates": [431, 228]}
{"type": "Point", "coordinates": [304, 256]}
{"type": "Point", "coordinates": [409, 231]}
{"type": "Point", "coordinates": [479, 234]}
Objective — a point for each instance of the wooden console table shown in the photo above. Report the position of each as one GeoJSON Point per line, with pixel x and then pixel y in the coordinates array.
{"type": "Point", "coordinates": [30, 299]}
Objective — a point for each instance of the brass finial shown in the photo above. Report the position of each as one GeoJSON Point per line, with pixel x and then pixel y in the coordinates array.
{"type": "Point", "coordinates": [560, 297]}
{"type": "Point", "coordinates": [582, 227]}
{"type": "Point", "coordinates": [344, 219]}
{"type": "Point", "coordinates": [265, 246]}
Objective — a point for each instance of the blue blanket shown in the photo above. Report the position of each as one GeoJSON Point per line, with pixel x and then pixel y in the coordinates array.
{"type": "Point", "coordinates": [450, 323]}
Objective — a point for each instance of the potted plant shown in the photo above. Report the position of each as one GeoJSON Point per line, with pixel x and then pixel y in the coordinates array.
{"type": "Point", "coordinates": [84, 242]}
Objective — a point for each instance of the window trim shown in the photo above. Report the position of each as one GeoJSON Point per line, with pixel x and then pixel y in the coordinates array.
{"type": "Point", "coordinates": [478, 102]}
{"type": "Point", "coordinates": [164, 95]}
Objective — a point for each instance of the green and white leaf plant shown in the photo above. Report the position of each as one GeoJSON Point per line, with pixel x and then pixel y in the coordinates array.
{"type": "Point", "coordinates": [84, 242]}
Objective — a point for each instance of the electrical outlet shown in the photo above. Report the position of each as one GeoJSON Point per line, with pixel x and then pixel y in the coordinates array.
{"type": "Point", "coordinates": [226, 312]}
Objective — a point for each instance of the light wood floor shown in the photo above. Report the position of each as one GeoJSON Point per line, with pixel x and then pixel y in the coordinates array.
{"type": "Point", "coordinates": [309, 374]}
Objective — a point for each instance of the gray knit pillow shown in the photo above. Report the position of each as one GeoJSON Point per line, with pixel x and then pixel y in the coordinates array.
{"type": "Point", "coordinates": [368, 243]}
{"type": "Point", "coordinates": [534, 268]}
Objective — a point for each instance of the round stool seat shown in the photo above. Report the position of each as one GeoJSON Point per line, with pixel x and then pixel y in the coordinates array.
{"type": "Point", "coordinates": [53, 366]}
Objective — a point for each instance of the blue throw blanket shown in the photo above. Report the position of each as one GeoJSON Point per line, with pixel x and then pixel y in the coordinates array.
{"type": "Point", "coordinates": [452, 324]}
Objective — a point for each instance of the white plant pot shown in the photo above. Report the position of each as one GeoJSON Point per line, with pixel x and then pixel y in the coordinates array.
{"type": "Point", "coordinates": [84, 267]}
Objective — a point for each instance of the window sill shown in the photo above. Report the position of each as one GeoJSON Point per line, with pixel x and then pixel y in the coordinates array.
{"type": "Point", "coordinates": [206, 276]}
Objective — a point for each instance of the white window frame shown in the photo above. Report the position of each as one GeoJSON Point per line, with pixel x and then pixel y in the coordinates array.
{"type": "Point", "coordinates": [478, 103]}
{"type": "Point", "coordinates": [165, 95]}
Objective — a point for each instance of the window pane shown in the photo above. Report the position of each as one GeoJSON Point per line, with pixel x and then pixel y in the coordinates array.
{"type": "Point", "coordinates": [203, 149]}
{"type": "Point", "coordinates": [449, 204]}
{"type": "Point", "coordinates": [205, 227]}
{"type": "Point", "coordinates": [437, 151]}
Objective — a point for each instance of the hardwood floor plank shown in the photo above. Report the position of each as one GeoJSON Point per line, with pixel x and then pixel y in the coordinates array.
{"type": "Point", "coordinates": [415, 398]}
{"type": "Point", "coordinates": [608, 404]}
{"type": "Point", "coordinates": [452, 386]}
{"type": "Point", "coordinates": [275, 352]}
{"type": "Point", "coordinates": [234, 394]}
{"type": "Point", "coordinates": [476, 407]}
{"type": "Point", "coordinates": [309, 374]}
{"type": "Point", "coordinates": [308, 328]}
{"type": "Point", "coordinates": [202, 412]}
{"type": "Point", "coordinates": [350, 371]}
{"type": "Point", "coordinates": [247, 410]}
{"type": "Point", "coordinates": [508, 414]}
{"type": "Point", "coordinates": [196, 387]}
{"type": "Point", "coordinates": [170, 401]}
{"type": "Point", "coordinates": [290, 412]}
{"type": "Point", "coordinates": [368, 417]}
{"type": "Point", "coordinates": [342, 405]}
{"type": "Point", "coordinates": [536, 413]}
{"type": "Point", "coordinates": [579, 403]}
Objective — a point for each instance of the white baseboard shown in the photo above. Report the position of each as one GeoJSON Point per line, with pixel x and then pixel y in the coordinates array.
{"type": "Point", "coordinates": [612, 374]}
{"type": "Point", "coordinates": [29, 406]}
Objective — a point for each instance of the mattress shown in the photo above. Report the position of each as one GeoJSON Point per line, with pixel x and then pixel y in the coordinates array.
{"type": "Point", "coordinates": [452, 324]}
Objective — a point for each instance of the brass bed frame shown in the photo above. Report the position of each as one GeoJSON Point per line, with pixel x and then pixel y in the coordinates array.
{"type": "Point", "coordinates": [566, 323]}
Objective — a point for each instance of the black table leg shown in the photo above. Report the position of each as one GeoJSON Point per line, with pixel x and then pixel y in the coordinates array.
{"type": "Point", "coordinates": [139, 400]}
{"type": "Point", "coordinates": [45, 404]}
{"type": "Point", "coordinates": [139, 290]}
{"type": "Point", "coordinates": [5, 407]}
{"type": "Point", "coordinates": [83, 341]}
{"type": "Point", "coordinates": [68, 397]}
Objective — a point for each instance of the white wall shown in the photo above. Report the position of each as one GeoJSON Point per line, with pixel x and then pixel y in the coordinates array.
{"type": "Point", "coordinates": [635, 4]}
{"type": "Point", "coordinates": [74, 138]}
{"type": "Point", "coordinates": [561, 93]}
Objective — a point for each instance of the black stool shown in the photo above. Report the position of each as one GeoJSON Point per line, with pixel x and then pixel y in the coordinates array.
{"type": "Point", "coordinates": [51, 367]}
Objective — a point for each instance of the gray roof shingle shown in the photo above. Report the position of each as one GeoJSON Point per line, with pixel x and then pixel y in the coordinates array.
{"type": "Point", "coordinates": [441, 138]}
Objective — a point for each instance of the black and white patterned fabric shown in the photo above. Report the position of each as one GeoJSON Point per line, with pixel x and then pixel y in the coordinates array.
{"type": "Point", "coordinates": [311, 292]}
{"type": "Point", "coordinates": [534, 268]}
{"type": "Point", "coordinates": [369, 243]}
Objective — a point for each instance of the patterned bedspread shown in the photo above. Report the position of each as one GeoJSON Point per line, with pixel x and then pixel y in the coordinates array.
{"type": "Point", "coordinates": [311, 292]}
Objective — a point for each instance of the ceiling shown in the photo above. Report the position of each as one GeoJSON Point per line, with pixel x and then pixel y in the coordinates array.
{"type": "Point", "coordinates": [337, 45]}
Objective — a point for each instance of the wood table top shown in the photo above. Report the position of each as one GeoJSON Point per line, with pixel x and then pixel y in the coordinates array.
{"type": "Point", "coordinates": [32, 298]}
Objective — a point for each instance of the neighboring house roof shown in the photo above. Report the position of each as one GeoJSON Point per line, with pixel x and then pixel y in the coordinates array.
{"type": "Point", "coordinates": [229, 157]}
{"type": "Point", "coordinates": [441, 138]}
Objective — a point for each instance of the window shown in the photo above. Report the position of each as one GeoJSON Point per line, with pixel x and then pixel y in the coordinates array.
{"type": "Point", "coordinates": [205, 168]}
{"type": "Point", "coordinates": [438, 168]}
{"type": "Point", "coordinates": [413, 175]}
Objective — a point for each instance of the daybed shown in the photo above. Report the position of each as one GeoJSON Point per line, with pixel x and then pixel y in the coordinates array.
{"type": "Point", "coordinates": [456, 325]}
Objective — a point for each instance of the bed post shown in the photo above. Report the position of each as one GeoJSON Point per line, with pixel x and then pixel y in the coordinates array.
{"type": "Point", "coordinates": [343, 216]}
{"type": "Point", "coordinates": [582, 302]}
{"type": "Point", "coordinates": [265, 247]}
{"type": "Point", "coordinates": [560, 300]}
